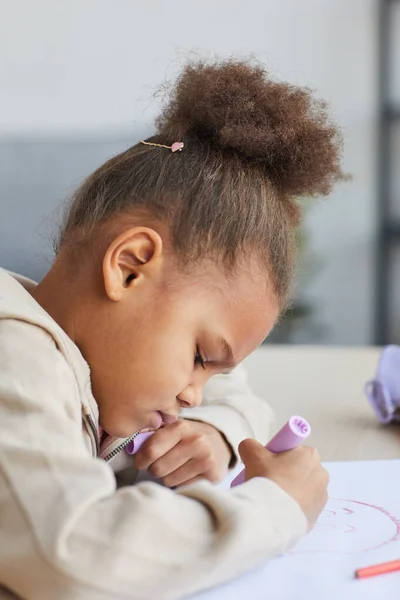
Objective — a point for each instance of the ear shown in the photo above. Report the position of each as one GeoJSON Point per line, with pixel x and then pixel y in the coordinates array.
{"type": "Point", "coordinates": [135, 254]}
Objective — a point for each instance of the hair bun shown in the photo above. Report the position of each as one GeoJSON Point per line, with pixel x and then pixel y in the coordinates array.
{"type": "Point", "coordinates": [236, 106]}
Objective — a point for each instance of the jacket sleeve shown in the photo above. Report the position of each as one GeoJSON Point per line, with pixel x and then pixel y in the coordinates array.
{"type": "Point", "coordinates": [66, 532]}
{"type": "Point", "coordinates": [231, 407]}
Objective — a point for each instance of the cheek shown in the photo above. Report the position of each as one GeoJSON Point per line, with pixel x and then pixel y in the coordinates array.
{"type": "Point", "coordinates": [148, 362]}
{"type": "Point", "coordinates": [146, 373]}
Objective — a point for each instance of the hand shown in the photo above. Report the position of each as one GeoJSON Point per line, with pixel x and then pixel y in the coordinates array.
{"type": "Point", "coordinates": [299, 472]}
{"type": "Point", "coordinates": [185, 451]}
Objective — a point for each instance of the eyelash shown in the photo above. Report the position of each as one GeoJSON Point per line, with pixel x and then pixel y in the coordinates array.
{"type": "Point", "coordinates": [198, 359]}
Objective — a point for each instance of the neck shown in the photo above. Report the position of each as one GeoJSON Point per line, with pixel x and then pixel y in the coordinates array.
{"type": "Point", "coordinates": [55, 293]}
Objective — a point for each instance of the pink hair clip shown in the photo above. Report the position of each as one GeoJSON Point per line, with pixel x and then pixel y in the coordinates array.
{"type": "Point", "coordinates": [176, 146]}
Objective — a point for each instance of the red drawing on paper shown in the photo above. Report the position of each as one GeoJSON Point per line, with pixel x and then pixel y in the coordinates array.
{"type": "Point", "coordinates": [348, 526]}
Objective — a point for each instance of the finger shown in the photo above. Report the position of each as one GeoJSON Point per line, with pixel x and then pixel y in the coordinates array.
{"type": "Point", "coordinates": [192, 480]}
{"type": "Point", "coordinates": [171, 461]}
{"type": "Point", "coordinates": [161, 442]}
{"type": "Point", "coordinates": [251, 450]}
{"type": "Point", "coordinates": [186, 472]}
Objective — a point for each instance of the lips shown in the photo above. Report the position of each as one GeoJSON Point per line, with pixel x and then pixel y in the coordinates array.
{"type": "Point", "coordinates": [168, 419]}
{"type": "Point", "coordinates": [159, 419]}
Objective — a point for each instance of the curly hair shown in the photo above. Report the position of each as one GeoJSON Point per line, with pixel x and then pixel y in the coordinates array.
{"type": "Point", "coordinates": [252, 147]}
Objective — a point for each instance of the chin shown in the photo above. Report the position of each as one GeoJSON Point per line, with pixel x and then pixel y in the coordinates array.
{"type": "Point", "coordinates": [120, 430]}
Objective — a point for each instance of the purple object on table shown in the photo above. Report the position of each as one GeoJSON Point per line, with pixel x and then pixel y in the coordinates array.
{"type": "Point", "coordinates": [292, 434]}
{"type": "Point", "coordinates": [137, 441]}
{"type": "Point", "coordinates": [383, 392]}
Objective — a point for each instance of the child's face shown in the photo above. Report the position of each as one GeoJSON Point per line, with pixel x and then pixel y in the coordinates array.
{"type": "Point", "coordinates": [152, 333]}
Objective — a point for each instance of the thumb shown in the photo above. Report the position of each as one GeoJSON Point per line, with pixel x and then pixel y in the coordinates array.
{"type": "Point", "coordinates": [252, 451]}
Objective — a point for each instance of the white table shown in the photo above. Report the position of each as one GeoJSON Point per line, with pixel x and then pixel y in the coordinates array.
{"type": "Point", "coordinates": [326, 386]}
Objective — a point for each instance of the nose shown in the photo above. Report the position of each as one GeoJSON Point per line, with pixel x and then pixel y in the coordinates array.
{"type": "Point", "coordinates": [191, 396]}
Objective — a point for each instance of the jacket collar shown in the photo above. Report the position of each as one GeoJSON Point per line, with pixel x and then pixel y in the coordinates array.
{"type": "Point", "coordinates": [16, 302]}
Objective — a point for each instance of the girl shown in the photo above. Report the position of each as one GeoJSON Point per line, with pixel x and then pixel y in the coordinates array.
{"type": "Point", "coordinates": [173, 265]}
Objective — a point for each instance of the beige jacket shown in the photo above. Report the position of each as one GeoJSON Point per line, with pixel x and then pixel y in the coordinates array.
{"type": "Point", "coordinates": [66, 531]}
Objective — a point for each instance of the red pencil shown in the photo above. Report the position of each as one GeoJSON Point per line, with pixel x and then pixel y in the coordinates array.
{"type": "Point", "coordinates": [388, 567]}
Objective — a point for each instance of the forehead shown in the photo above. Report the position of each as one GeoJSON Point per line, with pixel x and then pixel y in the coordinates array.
{"type": "Point", "coordinates": [240, 307]}
{"type": "Point", "coordinates": [251, 310]}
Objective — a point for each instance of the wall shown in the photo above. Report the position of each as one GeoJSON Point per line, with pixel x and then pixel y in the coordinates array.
{"type": "Point", "coordinates": [76, 78]}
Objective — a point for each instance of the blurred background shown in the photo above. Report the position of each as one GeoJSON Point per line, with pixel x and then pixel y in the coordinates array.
{"type": "Point", "coordinates": [77, 84]}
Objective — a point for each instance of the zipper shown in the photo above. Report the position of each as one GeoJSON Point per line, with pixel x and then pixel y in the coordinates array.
{"type": "Point", "coordinates": [95, 434]}
{"type": "Point", "coordinates": [118, 449]}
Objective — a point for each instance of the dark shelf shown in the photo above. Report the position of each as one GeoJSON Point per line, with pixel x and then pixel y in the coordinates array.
{"type": "Point", "coordinates": [391, 113]}
{"type": "Point", "coordinates": [391, 232]}
{"type": "Point", "coordinates": [388, 232]}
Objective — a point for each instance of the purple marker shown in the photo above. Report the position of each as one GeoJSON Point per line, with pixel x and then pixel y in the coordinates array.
{"type": "Point", "coordinates": [137, 441]}
{"type": "Point", "coordinates": [292, 434]}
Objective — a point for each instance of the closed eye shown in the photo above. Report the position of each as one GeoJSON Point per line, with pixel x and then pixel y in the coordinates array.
{"type": "Point", "coordinates": [198, 359]}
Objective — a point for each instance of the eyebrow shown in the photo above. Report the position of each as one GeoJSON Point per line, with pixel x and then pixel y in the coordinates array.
{"type": "Point", "coordinates": [227, 353]}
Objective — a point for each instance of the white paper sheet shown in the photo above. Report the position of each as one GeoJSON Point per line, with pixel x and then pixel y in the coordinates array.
{"type": "Point", "coordinates": [360, 526]}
